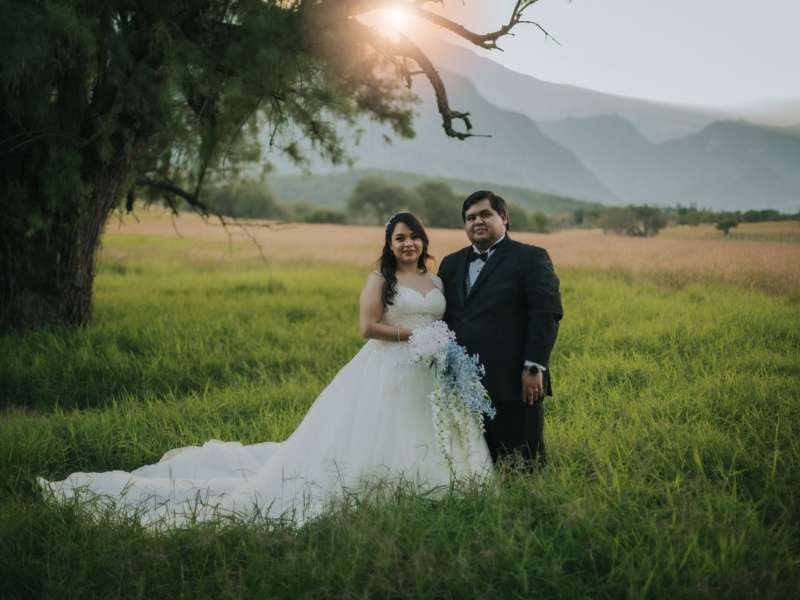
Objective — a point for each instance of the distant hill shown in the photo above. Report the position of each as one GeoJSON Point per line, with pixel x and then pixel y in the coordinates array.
{"type": "Point", "coordinates": [735, 165]}
{"type": "Point", "coordinates": [332, 190]}
{"type": "Point", "coordinates": [518, 153]}
{"type": "Point", "coordinates": [565, 141]}
{"type": "Point", "coordinates": [613, 149]}
{"type": "Point", "coordinates": [545, 101]}
{"type": "Point", "coordinates": [728, 165]}
{"type": "Point", "coordinates": [782, 112]}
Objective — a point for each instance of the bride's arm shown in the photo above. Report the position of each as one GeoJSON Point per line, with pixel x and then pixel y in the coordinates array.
{"type": "Point", "coordinates": [371, 311]}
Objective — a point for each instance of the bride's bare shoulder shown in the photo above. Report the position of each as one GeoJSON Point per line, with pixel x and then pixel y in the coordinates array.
{"type": "Point", "coordinates": [437, 281]}
{"type": "Point", "coordinates": [374, 281]}
{"type": "Point", "coordinates": [373, 286]}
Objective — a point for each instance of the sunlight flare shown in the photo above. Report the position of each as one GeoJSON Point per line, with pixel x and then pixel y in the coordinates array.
{"type": "Point", "coordinates": [396, 19]}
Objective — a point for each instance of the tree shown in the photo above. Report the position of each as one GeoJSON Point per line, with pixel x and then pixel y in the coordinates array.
{"type": "Point", "coordinates": [244, 199]}
{"type": "Point", "coordinates": [726, 224]}
{"type": "Point", "coordinates": [374, 200]}
{"type": "Point", "coordinates": [325, 215]}
{"type": "Point", "coordinates": [518, 217]}
{"type": "Point", "coordinates": [104, 101]}
{"type": "Point", "coordinates": [539, 223]}
{"type": "Point", "coordinates": [649, 221]}
{"type": "Point", "coordinates": [639, 221]}
{"type": "Point", "coordinates": [439, 205]}
{"type": "Point", "coordinates": [616, 219]}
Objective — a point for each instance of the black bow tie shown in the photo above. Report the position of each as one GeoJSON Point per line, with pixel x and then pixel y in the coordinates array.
{"type": "Point", "coordinates": [478, 256]}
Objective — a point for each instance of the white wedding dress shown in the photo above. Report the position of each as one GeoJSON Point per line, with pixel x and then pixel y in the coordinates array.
{"type": "Point", "coordinates": [371, 424]}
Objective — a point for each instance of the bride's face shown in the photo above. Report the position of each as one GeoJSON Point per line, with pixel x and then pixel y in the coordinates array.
{"type": "Point", "coordinates": [406, 245]}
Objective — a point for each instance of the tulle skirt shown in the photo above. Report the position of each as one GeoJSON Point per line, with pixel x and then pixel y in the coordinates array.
{"type": "Point", "coordinates": [371, 425]}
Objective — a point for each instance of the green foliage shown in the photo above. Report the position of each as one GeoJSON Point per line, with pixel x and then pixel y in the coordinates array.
{"type": "Point", "coordinates": [304, 212]}
{"type": "Point", "coordinates": [333, 189]}
{"type": "Point", "coordinates": [759, 216]}
{"type": "Point", "coordinates": [325, 215]}
{"type": "Point", "coordinates": [673, 442]}
{"type": "Point", "coordinates": [178, 90]}
{"type": "Point", "coordinates": [374, 200]}
{"type": "Point", "coordinates": [726, 225]}
{"type": "Point", "coordinates": [522, 220]}
{"type": "Point", "coordinates": [639, 221]}
{"type": "Point", "coordinates": [691, 215]}
{"type": "Point", "coordinates": [439, 206]}
{"type": "Point", "coordinates": [101, 100]}
{"type": "Point", "coordinates": [246, 199]}
{"type": "Point", "coordinates": [539, 223]}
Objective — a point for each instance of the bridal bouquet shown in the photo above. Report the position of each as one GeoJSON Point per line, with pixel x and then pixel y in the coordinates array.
{"type": "Point", "coordinates": [458, 398]}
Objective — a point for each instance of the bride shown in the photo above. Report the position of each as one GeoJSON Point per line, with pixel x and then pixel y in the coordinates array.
{"type": "Point", "coordinates": [372, 423]}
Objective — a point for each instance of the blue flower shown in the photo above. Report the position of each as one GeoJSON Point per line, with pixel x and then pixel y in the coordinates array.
{"type": "Point", "coordinates": [460, 382]}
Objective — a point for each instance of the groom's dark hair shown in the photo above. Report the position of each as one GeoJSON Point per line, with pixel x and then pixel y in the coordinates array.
{"type": "Point", "coordinates": [498, 204]}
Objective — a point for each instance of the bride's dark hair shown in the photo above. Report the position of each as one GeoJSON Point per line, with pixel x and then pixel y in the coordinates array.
{"type": "Point", "coordinates": [388, 261]}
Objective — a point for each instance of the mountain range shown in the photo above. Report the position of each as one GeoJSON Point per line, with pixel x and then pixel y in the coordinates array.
{"type": "Point", "coordinates": [727, 165]}
{"type": "Point", "coordinates": [544, 101]}
{"type": "Point", "coordinates": [568, 141]}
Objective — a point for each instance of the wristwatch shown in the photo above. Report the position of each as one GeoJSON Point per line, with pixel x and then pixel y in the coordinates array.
{"type": "Point", "coordinates": [533, 369]}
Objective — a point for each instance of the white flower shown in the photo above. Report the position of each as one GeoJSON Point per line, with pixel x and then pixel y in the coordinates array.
{"type": "Point", "coordinates": [429, 344]}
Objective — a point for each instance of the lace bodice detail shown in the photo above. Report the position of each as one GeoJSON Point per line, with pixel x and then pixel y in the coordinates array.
{"type": "Point", "coordinates": [413, 309]}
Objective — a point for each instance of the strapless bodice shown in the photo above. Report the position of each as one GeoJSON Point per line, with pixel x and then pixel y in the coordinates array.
{"type": "Point", "coordinates": [413, 309]}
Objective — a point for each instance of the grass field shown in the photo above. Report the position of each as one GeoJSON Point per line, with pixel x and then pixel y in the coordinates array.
{"type": "Point", "coordinates": [674, 435]}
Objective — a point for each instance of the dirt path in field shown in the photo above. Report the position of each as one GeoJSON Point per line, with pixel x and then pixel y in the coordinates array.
{"type": "Point", "coordinates": [767, 265]}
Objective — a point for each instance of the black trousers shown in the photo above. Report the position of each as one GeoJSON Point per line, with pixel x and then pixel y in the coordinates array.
{"type": "Point", "coordinates": [516, 433]}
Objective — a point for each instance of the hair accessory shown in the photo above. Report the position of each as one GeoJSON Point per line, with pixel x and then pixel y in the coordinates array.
{"type": "Point", "coordinates": [390, 220]}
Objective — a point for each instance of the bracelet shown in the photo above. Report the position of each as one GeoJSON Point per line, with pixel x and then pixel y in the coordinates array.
{"type": "Point", "coordinates": [398, 333]}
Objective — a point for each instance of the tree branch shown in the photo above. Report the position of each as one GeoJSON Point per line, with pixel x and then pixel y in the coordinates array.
{"type": "Point", "coordinates": [170, 190]}
{"type": "Point", "coordinates": [405, 48]}
{"type": "Point", "coordinates": [483, 40]}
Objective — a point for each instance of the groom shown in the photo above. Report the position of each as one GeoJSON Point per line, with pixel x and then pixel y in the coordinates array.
{"type": "Point", "coordinates": [503, 303]}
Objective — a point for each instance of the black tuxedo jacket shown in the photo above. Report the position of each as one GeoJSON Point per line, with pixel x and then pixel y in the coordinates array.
{"type": "Point", "coordinates": [510, 315]}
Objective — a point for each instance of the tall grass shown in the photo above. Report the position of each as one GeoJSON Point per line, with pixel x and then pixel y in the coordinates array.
{"type": "Point", "coordinates": [673, 437]}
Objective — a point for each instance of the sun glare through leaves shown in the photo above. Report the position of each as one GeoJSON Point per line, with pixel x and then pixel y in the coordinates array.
{"type": "Point", "coordinates": [392, 20]}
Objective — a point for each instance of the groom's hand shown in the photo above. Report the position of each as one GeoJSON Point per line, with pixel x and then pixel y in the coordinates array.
{"type": "Point", "coordinates": [532, 387]}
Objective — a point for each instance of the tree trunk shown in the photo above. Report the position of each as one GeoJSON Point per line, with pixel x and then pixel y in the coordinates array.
{"type": "Point", "coordinates": [47, 278]}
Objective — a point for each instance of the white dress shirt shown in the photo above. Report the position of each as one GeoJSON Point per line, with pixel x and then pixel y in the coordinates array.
{"type": "Point", "coordinates": [476, 265]}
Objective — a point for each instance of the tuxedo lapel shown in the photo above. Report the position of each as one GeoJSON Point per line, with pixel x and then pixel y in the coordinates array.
{"type": "Point", "coordinates": [461, 274]}
{"type": "Point", "coordinates": [486, 272]}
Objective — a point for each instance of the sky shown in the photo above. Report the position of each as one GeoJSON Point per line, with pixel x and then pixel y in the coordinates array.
{"type": "Point", "coordinates": [723, 53]}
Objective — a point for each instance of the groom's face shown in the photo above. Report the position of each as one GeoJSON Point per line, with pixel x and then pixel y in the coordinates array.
{"type": "Point", "coordinates": [483, 224]}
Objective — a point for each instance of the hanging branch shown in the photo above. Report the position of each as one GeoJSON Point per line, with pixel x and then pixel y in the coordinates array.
{"type": "Point", "coordinates": [485, 40]}
{"type": "Point", "coordinates": [170, 190]}
{"type": "Point", "coordinates": [403, 48]}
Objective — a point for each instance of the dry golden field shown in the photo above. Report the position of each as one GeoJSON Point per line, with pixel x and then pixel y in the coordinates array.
{"type": "Point", "coordinates": [763, 264]}
{"type": "Point", "coordinates": [775, 231]}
